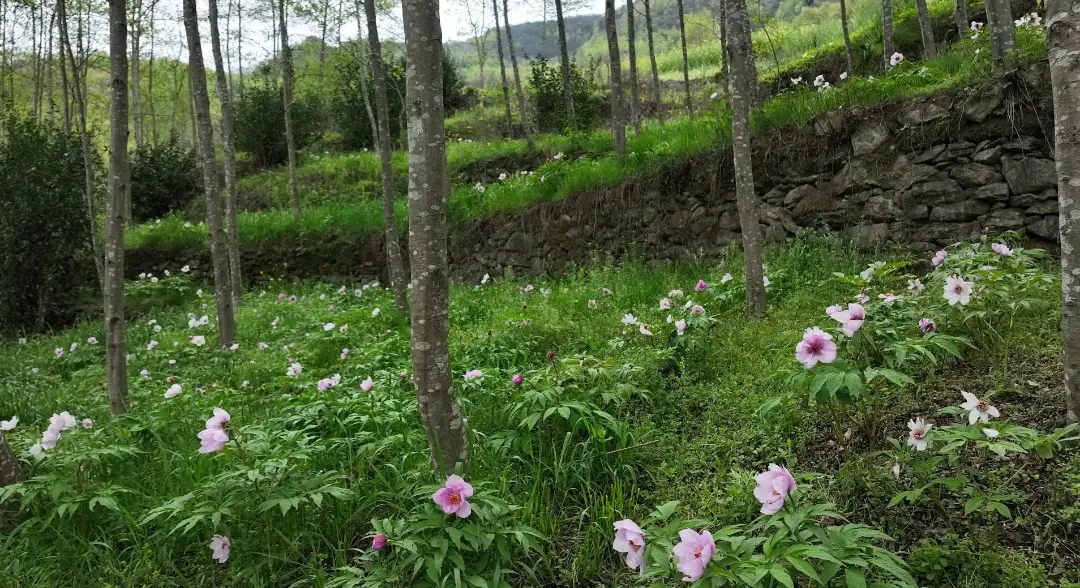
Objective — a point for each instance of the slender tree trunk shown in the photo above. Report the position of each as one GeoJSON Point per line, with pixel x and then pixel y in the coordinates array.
{"type": "Point", "coordinates": [429, 190]}
{"type": "Point", "coordinates": [961, 13]}
{"type": "Point", "coordinates": [526, 124]}
{"type": "Point", "coordinates": [742, 55]}
{"type": "Point", "coordinates": [1063, 51]}
{"type": "Point", "coordinates": [240, 42]}
{"type": "Point", "coordinates": [322, 45]}
{"type": "Point", "coordinates": [150, 80]}
{"type": "Point", "coordinates": [49, 70]}
{"type": "Point", "coordinates": [685, 60]}
{"type": "Point", "coordinates": [847, 38]}
{"type": "Point", "coordinates": [10, 473]}
{"type": "Point", "coordinates": [218, 252]}
{"type": "Point", "coordinates": [725, 52]}
{"type": "Point", "coordinates": [225, 97]}
{"type": "Point", "coordinates": [926, 30]}
{"type": "Point", "coordinates": [396, 266]}
{"type": "Point", "coordinates": [287, 98]}
{"type": "Point", "coordinates": [564, 55]}
{"type": "Point", "coordinates": [502, 71]}
{"type": "Point", "coordinates": [631, 41]}
{"type": "Point", "coordinates": [65, 85]}
{"type": "Point", "coordinates": [1002, 32]}
{"type": "Point", "coordinates": [618, 116]}
{"type": "Point", "coordinates": [886, 31]}
{"type": "Point", "coordinates": [116, 355]}
{"type": "Point", "coordinates": [374, 124]}
{"type": "Point", "coordinates": [136, 75]}
{"type": "Point", "coordinates": [652, 62]}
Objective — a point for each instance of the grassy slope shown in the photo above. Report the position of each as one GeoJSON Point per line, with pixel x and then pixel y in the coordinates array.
{"type": "Point", "coordinates": [697, 408]}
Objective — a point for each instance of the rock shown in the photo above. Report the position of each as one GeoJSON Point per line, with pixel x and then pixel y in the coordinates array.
{"type": "Point", "coordinates": [775, 196]}
{"type": "Point", "coordinates": [774, 215]}
{"type": "Point", "coordinates": [996, 192]}
{"type": "Point", "coordinates": [1028, 174]}
{"type": "Point", "coordinates": [1047, 228]}
{"type": "Point", "coordinates": [863, 196]}
{"type": "Point", "coordinates": [879, 208]}
{"type": "Point", "coordinates": [831, 122]}
{"type": "Point", "coordinates": [1024, 201]}
{"type": "Point", "coordinates": [517, 242]}
{"type": "Point", "coordinates": [930, 154]}
{"type": "Point", "coordinates": [795, 196]}
{"type": "Point", "coordinates": [858, 175]}
{"type": "Point", "coordinates": [919, 212]}
{"type": "Point", "coordinates": [945, 232]}
{"type": "Point", "coordinates": [922, 113]}
{"type": "Point", "coordinates": [906, 176]}
{"type": "Point", "coordinates": [1043, 208]}
{"type": "Point", "coordinates": [966, 210]}
{"type": "Point", "coordinates": [815, 203]}
{"type": "Point", "coordinates": [869, 235]}
{"type": "Point", "coordinates": [729, 221]}
{"type": "Point", "coordinates": [937, 192]}
{"type": "Point", "coordinates": [1006, 219]}
{"type": "Point", "coordinates": [989, 156]}
{"type": "Point", "coordinates": [1023, 145]}
{"type": "Point", "coordinates": [868, 137]}
{"type": "Point", "coordinates": [980, 109]}
{"type": "Point", "coordinates": [972, 175]}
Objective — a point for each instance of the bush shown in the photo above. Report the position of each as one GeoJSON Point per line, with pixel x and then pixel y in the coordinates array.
{"type": "Point", "coordinates": [43, 229]}
{"type": "Point", "coordinates": [164, 178]}
{"type": "Point", "coordinates": [550, 104]}
{"type": "Point", "coordinates": [260, 124]}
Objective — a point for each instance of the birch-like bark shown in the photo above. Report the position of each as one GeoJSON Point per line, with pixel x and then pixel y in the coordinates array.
{"type": "Point", "coordinates": [926, 30]}
{"type": "Point", "coordinates": [742, 97]}
{"type": "Point", "coordinates": [10, 473]}
{"type": "Point", "coordinates": [225, 97]}
{"type": "Point", "coordinates": [218, 251]}
{"type": "Point", "coordinates": [652, 63]}
{"type": "Point", "coordinates": [502, 72]}
{"type": "Point", "coordinates": [526, 124]}
{"type": "Point", "coordinates": [847, 38]}
{"type": "Point", "coordinates": [635, 115]}
{"type": "Point", "coordinates": [395, 263]}
{"type": "Point", "coordinates": [886, 31]}
{"type": "Point", "coordinates": [725, 54]}
{"type": "Point", "coordinates": [361, 20]}
{"type": "Point", "coordinates": [136, 74]}
{"type": "Point", "coordinates": [115, 353]}
{"type": "Point", "coordinates": [1002, 32]}
{"type": "Point", "coordinates": [287, 100]}
{"type": "Point", "coordinates": [618, 116]}
{"type": "Point", "coordinates": [564, 55]}
{"type": "Point", "coordinates": [429, 191]}
{"type": "Point", "coordinates": [960, 11]}
{"type": "Point", "coordinates": [685, 61]}
{"type": "Point", "coordinates": [1063, 52]}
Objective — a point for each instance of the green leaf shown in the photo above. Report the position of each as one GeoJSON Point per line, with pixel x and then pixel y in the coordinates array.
{"type": "Point", "coordinates": [973, 504]}
{"type": "Point", "coordinates": [855, 578]}
{"type": "Point", "coordinates": [780, 574]}
{"type": "Point", "coordinates": [803, 567]}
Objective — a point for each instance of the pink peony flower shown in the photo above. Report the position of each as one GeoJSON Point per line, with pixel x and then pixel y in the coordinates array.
{"type": "Point", "coordinates": [367, 384]}
{"type": "Point", "coordinates": [378, 542]}
{"type": "Point", "coordinates": [592, 304]}
{"type": "Point", "coordinates": [680, 326]}
{"type": "Point", "coordinates": [851, 319]}
{"type": "Point", "coordinates": [9, 425]}
{"type": "Point", "coordinates": [817, 345]}
{"type": "Point", "coordinates": [727, 278]}
{"type": "Point", "coordinates": [697, 309]}
{"type": "Point", "coordinates": [263, 346]}
{"type": "Point", "coordinates": [629, 539]}
{"type": "Point", "coordinates": [701, 285]}
{"type": "Point", "coordinates": [919, 430]}
{"type": "Point", "coordinates": [517, 379]}
{"type": "Point", "coordinates": [957, 290]}
{"type": "Point", "coordinates": [675, 293]}
{"type": "Point", "coordinates": [453, 498]}
{"type": "Point", "coordinates": [896, 59]}
{"type": "Point", "coordinates": [92, 340]}
{"type": "Point", "coordinates": [939, 257]}
{"type": "Point", "coordinates": [927, 325]}
{"type": "Point", "coordinates": [773, 488]}
{"type": "Point", "coordinates": [358, 292]}
{"type": "Point", "coordinates": [1001, 249]}
{"type": "Point", "coordinates": [473, 374]}
{"type": "Point", "coordinates": [694, 551]}
{"type": "Point", "coordinates": [87, 424]}
{"type": "Point", "coordinates": [220, 546]}
{"type": "Point", "coordinates": [832, 310]}
{"type": "Point", "coordinates": [292, 299]}
{"type": "Point", "coordinates": [58, 352]}
{"type": "Point", "coordinates": [375, 312]}
{"type": "Point", "coordinates": [173, 391]}
{"type": "Point", "coordinates": [665, 304]}
{"type": "Point", "coordinates": [198, 340]}
{"type": "Point", "coordinates": [215, 435]}
{"type": "Point", "coordinates": [295, 369]}
{"type": "Point", "coordinates": [344, 354]}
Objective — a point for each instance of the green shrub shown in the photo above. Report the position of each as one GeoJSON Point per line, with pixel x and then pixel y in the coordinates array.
{"type": "Point", "coordinates": [164, 178]}
{"type": "Point", "coordinates": [550, 105]}
{"type": "Point", "coordinates": [43, 229]}
{"type": "Point", "coordinates": [260, 123]}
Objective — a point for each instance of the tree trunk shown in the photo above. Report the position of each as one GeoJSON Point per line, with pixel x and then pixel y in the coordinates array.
{"type": "Point", "coordinates": [886, 31]}
{"type": "Point", "coordinates": [618, 116]}
{"type": "Point", "coordinates": [1002, 32]}
{"type": "Point", "coordinates": [742, 97]}
{"type": "Point", "coordinates": [287, 99]}
{"type": "Point", "coordinates": [382, 113]}
{"type": "Point", "coordinates": [1063, 51]}
{"type": "Point", "coordinates": [150, 80]}
{"type": "Point", "coordinates": [361, 21]}
{"type": "Point", "coordinates": [65, 84]}
{"type": "Point", "coordinates": [429, 190]}
{"type": "Point", "coordinates": [526, 125]}
{"type": "Point", "coordinates": [652, 62]}
{"type": "Point", "coordinates": [961, 13]}
{"type": "Point", "coordinates": [564, 55]}
{"type": "Point", "coordinates": [115, 354]}
{"type": "Point", "coordinates": [502, 71]}
{"type": "Point", "coordinates": [136, 75]}
{"type": "Point", "coordinates": [685, 64]}
{"type": "Point", "coordinates": [926, 30]}
{"type": "Point", "coordinates": [225, 97]}
{"type": "Point", "coordinates": [847, 38]}
{"type": "Point", "coordinates": [218, 251]}
{"type": "Point", "coordinates": [10, 473]}
{"type": "Point", "coordinates": [725, 52]}
{"type": "Point", "coordinates": [635, 116]}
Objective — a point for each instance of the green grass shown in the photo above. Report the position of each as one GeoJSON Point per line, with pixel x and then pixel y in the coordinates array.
{"type": "Point", "coordinates": [649, 151]}
{"type": "Point", "coordinates": [691, 407]}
